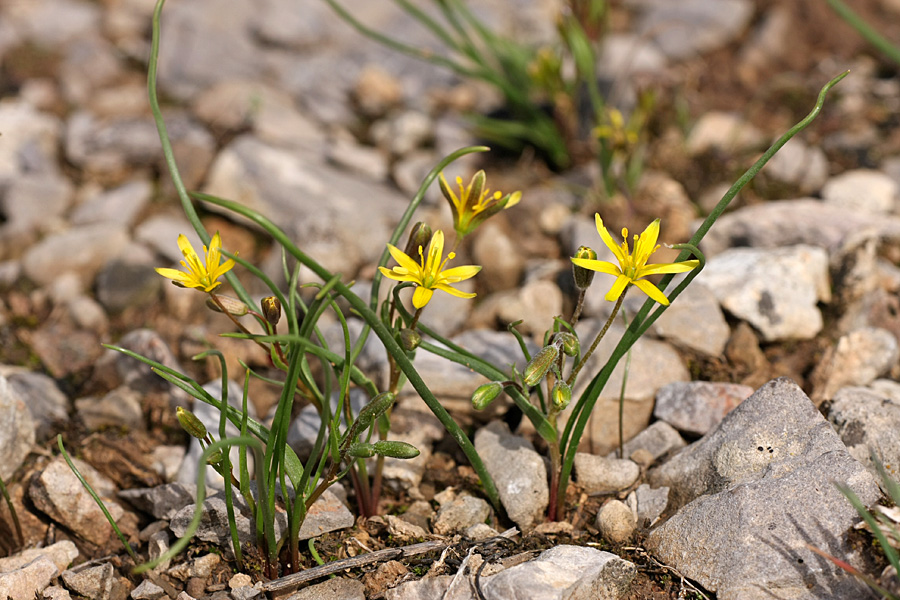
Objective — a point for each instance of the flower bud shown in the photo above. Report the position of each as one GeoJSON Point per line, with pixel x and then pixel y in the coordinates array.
{"type": "Point", "coordinates": [561, 395]}
{"type": "Point", "coordinates": [395, 449]}
{"type": "Point", "coordinates": [583, 277]}
{"type": "Point", "coordinates": [374, 409]}
{"type": "Point", "coordinates": [410, 339]}
{"type": "Point", "coordinates": [420, 236]}
{"type": "Point", "coordinates": [232, 305]}
{"type": "Point", "coordinates": [190, 423]}
{"type": "Point", "coordinates": [568, 342]}
{"type": "Point", "coordinates": [539, 364]}
{"type": "Point", "coordinates": [361, 450]}
{"type": "Point", "coordinates": [271, 309]}
{"type": "Point", "coordinates": [485, 394]}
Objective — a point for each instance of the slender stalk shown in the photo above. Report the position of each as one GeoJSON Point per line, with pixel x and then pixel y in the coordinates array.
{"type": "Point", "coordinates": [865, 30]}
{"type": "Point", "coordinates": [600, 334]}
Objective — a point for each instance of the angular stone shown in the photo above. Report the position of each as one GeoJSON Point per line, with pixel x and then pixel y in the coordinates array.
{"type": "Point", "coordinates": [868, 421]}
{"type": "Point", "coordinates": [748, 485]}
{"type": "Point", "coordinates": [680, 325]}
{"type": "Point", "coordinates": [25, 582]}
{"type": "Point", "coordinates": [615, 521]}
{"type": "Point", "coordinates": [696, 407]}
{"type": "Point", "coordinates": [599, 475]}
{"type": "Point", "coordinates": [776, 291]}
{"type": "Point", "coordinates": [461, 513]}
{"type": "Point", "coordinates": [857, 359]}
{"type": "Point", "coordinates": [82, 250]}
{"type": "Point", "coordinates": [571, 572]}
{"type": "Point", "coordinates": [862, 190]}
{"type": "Point", "coordinates": [524, 490]}
{"type": "Point", "coordinates": [16, 429]}
{"type": "Point", "coordinates": [58, 493]}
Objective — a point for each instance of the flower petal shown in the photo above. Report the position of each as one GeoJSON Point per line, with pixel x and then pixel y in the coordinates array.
{"type": "Point", "coordinates": [646, 243]}
{"type": "Point", "coordinates": [404, 259]}
{"type": "Point", "coordinates": [185, 279]}
{"type": "Point", "coordinates": [421, 296]}
{"type": "Point", "coordinates": [600, 266]}
{"type": "Point", "coordinates": [460, 273]}
{"type": "Point", "coordinates": [607, 239]}
{"type": "Point", "coordinates": [453, 291]}
{"type": "Point", "coordinates": [680, 267]}
{"type": "Point", "coordinates": [652, 291]}
{"type": "Point", "coordinates": [397, 276]}
{"type": "Point", "coordinates": [618, 287]}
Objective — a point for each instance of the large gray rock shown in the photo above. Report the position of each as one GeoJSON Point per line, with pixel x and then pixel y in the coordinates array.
{"type": "Point", "coordinates": [746, 489]}
{"type": "Point", "coordinates": [82, 250]}
{"type": "Point", "coordinates": [792, 222]}
{"type": "Point", "coordinates": [310, 199]}
{"type": "Point", "coordinates": [523, 490]}
{"type": "Point", "coordinates": [683, 29]}
{"type": "Point", "coordinates": [775, 290]}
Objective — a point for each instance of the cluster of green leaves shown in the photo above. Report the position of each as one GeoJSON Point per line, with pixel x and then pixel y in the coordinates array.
{"type": "Point", "coordinates": [557, 110]}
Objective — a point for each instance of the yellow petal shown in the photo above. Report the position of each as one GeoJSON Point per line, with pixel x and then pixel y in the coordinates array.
{"type": "Point", "coordinates": [652, 291]}
{"type": "Point", "coordinates": [179, 276]}
{"type": "Point", "coordinates": [600, 266]}
{"type": "Point", "coordinates": [646, 243]}
{"type": "Point", "coordinates": [607, 239]}
{"type": "Point", "coordinates": [421, 296]}
{"type": "Point", "coordinates": [680, 267]}
{"type": "Point", "coordinates": [404, 260]}
{"type": "Point", "coordinates": [514, 199]}
{"type": "Point", "coordinates": [460, 273]}
{"type": "Point", "coordinates": [618, 287]}
{"type": "Point", "coordinates": [397, 276]}
{"type": "Point", "coordinates": [453, 291]}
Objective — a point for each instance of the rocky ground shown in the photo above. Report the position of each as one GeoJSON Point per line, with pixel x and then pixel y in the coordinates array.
{"type": "Point", "coordinates": [772, 377]}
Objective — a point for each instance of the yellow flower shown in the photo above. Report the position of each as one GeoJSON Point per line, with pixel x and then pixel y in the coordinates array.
{"type": "Point", "coordinates": [633, 267]}
{"type": "Point", "coordinates": [428, 274]}
{"type": "Point", "coordinates": [475, 203]}
{"type": "Point", "coordinates": [199, 275]}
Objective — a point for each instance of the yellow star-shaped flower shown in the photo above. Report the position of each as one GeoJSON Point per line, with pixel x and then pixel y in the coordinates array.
{"type": "Point", "coordinates": [474, 203]}
{"type": "Point", "coordinates": [633, 267]}
{"type": "Point", "coordinates": [429, 274]}
{"type": "Point", "coordinates": [199, 275]}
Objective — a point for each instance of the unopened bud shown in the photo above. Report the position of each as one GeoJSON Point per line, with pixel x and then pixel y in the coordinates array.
{"type": "Point", "coordinates": [361, 450]}
{"type": "Point", "coordinates": [215, 459]}
{"type": "Point", "coordinates": [420, 236]}
{"type": "Point", "coordinates": [485, 394]}
{"type": "Point", "coordinates": [374, 409]}
{"type": "Point", "coordinates": [231, 305]}
{"type": "Point", "coordinates": [410, 339]}
{"type": "Point", "coordinates": [561, 395]}
{"type": "Point", "coordinates": [568, 342]}
{"type": "Point", "coordinates": [190, 423]}
{"type": "Point", "coordinates": [271, 309]}
{"type": "Point", "coordinates": [539, 364]}
{"type": "Point", "coordinates": [583, 277]}
{"type": "Point", "coordinates": [395, 449]}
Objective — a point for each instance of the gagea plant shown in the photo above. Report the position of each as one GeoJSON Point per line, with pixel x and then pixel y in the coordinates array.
{"type": "Point", "coordinates": [351, 443]}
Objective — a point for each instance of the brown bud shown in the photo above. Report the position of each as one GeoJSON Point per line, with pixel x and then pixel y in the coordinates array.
{"type": "Point", "coordinates": [420, 236]}
{"type": "Point", "coordinates": [271, 309]}
{"type": "Point", "coordinates": [231, 305]}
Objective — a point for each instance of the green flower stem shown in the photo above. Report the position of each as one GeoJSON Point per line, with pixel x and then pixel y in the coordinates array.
{"type": "Point", "coordinates": [577, 368]}
{"type": "Point", "coordinates": [865, 30]}
{"type": "Point", "coordinates": [225, 468]}
{"type": "Point", "coordinates": [384, 334]}
{"type": "Point", "coordinates": [585, 404]}
{"type": "Point", "coordinates": [90, 490]}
